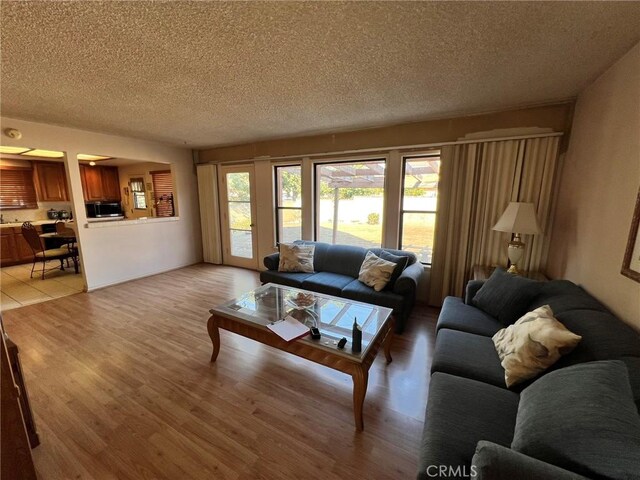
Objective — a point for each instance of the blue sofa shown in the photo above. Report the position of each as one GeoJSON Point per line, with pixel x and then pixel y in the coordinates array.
{"type": "Point", "coordinates": [471, 416]}
{"type": "Point", "coordinates": [336, 269]}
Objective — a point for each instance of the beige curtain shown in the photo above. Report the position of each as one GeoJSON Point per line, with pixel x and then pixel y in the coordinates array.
{"type": "Point", "coordinates": [477, 181]}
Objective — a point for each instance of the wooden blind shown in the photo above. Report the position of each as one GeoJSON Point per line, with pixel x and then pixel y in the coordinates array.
{"type": "Point", "coordinates": [163, 193]}
{"type": "Point", "coordinates": [17, 189]}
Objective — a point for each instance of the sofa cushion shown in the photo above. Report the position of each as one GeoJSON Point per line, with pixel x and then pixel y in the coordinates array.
{"type": "Point", "coordinates": [290, 279]}
{"type": "Point", "coordinates": [327, 282]}
{"type": "Point", "coordinates": [356, 290]}
{"type": "Point", "coordinates": [563, 295]}
{"type": "Point", "coordinates": [583, 419]}
{"type": "Point", "coordinates": [495, 462]}
{"type": "Point", "coordinates": [457, 315]}
{"type": "Point", "coordinates": [532, 344]}
{"type": "Point", "coordinates": [401, 263]}
{"type": "Point", "coordinates": [505, 296]}
{"type": "Point", "coordinates": [319, 254]}
{"type": "Point", "coordinates": [633, 368]}
{"type": "Point", "coordinates": [604, 337]}
{"type": "Point", "coordinates": [467, 355]}
{"type": "Point", "coordinates": [460, 413]}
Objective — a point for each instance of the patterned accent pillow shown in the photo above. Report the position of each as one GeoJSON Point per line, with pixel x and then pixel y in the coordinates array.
{"type": "Point", "coordinates": [376, 272]}
{"type": "Point", "coordinates": [296, 258]}
{"type": "Point", "coordinates": [532, 344]}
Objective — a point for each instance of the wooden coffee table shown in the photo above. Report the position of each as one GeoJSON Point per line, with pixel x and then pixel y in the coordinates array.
{"type": "Point", "coordinates": [250, 314]}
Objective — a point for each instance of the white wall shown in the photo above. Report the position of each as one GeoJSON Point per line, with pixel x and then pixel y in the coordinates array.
{"type": "Point", "coordinates": [598, 188]}
{"type": "Point", "coordinates": [123, 251]}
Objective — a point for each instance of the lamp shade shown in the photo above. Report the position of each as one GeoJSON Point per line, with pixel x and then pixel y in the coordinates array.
{"type": "Point", "coordinates": [519, 217]}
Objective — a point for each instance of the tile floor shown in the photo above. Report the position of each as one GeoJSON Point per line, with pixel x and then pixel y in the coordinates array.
{"type": "Point", "coordinates": [17, 289]}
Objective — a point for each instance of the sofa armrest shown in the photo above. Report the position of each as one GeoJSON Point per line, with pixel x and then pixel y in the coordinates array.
{"type": "Point", "coordinates": [407, 282]}
{"type": "Point", "coordinates": [495, 462]}
{"type": "Point", "coordinates": [272, 261]}
{"type": "Point", "coordinates": [472, 288]}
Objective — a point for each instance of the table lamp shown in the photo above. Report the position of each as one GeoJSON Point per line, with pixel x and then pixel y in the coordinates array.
{"type": "Point", "coordinates": [520, 219]}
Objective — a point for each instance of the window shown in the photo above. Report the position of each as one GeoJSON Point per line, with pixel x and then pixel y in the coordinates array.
{"type": "Point", "coordinates": [288, 203]}
{"type": "Point", "coordinates": [163, 193]}
{"type": "Point", "coordinates": [137, 189]}
{"type": "Point", "coordinates": [419, 200]}
{"type": "Point", "coordinates": [350, 202]}
{"type": "Point", "coordinates": [17, 190]}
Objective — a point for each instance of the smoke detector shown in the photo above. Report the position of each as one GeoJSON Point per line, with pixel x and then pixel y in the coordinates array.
{"type": "Point", "coordinates": [13, 133]}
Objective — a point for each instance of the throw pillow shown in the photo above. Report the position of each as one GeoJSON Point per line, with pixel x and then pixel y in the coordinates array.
{"type": "Point", "coordinates": [582, 418]}
{"type": "Point", "coordinates": [506, 296]}
{"type": "Point", "coordinates": [532, 344]}
{"type": "Point", "coordinates": [401, 264]}
{"type": "Point", "coordinates": [296, 258]}
{"type": "Point", "coordinates": [375, 272]}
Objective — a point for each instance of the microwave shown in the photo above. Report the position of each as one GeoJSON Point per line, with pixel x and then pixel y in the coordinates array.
{"type": "Point", "coordinates": [103, 209]}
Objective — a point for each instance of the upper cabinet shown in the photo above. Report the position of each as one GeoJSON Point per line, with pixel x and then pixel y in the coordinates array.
{"type": "Point", "coordinates": [50, 181]}
{"type": "Point", "coordinates": [110, 183]}
{"type": "Point", "coordinates": [100, 183]}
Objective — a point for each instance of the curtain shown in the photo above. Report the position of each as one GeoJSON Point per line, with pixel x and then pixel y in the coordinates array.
{"type": "Point", "coordinates": [477, 182]}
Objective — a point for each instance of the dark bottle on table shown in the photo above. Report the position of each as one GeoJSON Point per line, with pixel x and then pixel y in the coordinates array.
{"type": "Point", "coordinates": [356, 338]}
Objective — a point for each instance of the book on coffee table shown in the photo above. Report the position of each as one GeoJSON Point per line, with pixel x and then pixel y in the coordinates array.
{"type": "Point", "coordinates": [289, 328]}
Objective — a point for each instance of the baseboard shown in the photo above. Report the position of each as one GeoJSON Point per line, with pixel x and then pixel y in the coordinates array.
{"type": "Point", "coordinates": [119, 282]}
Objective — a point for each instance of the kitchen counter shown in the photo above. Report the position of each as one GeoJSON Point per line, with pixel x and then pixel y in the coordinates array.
{"type": "Point", "coordinates": [36, 222]}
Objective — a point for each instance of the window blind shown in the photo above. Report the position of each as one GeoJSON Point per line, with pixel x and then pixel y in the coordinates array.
{"type": "Point", "coordinates": [17, 189]}
{"type": "Point", "coordinates": [163, 193]}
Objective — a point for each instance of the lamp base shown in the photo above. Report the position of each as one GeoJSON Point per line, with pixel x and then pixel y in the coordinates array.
{"type": "Point", "coordinates": [515, 252]}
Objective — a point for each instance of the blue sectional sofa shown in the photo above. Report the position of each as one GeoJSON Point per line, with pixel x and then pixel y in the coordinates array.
{"type": "Point", "coordinates": [471, 416]}
{"type": "Point", "coordinates": [336, 269]}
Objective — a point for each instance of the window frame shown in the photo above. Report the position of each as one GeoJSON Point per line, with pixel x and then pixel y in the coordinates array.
{"type": "Point", "coordinates": [277, 199]}
{"type": "Point", "coordinates": [402, 211]}
{"type": "Point", "coordinates": [316, 186]}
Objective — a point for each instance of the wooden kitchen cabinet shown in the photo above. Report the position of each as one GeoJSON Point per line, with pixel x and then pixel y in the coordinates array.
{"type": "Point", "coordinates": [23, 250]}
{"type": "Point", "coordinates": [14, 249]}
{"type": "Point", "coordinates": [100, 183]}
{"type": "Point", "coordinates": [7, 247]}
{"type": "Point", "coordinates": [50, 181]}
{"type": "Point", "coordinates": [91, 183]}
{"type": "Point", "coordinates": [110, 183]}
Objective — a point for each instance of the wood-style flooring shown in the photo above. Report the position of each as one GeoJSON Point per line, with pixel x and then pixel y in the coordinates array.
{"type": "Point", "coordinates": [122, 388]}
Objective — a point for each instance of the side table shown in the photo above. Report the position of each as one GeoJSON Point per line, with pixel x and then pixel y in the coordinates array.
{"type": "Point", "coordinates": [482, 272]}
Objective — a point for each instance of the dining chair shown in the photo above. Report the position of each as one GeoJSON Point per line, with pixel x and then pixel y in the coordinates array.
{"type": "Point", "coordinates": [72, 244]}
{"type": "Point", "coordinates": [40, 254]}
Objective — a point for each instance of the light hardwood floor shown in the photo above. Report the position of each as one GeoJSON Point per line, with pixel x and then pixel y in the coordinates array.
{"type": "Point", "coordinates": [122, 388]}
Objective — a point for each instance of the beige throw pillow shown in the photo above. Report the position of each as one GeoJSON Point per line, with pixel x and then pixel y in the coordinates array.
{"type": "Point", "coordinates": [296, 258]}
{"type": "Point", "coordinates": [376, 272]}
{"type": "Point", "coordinates": [532, 344]}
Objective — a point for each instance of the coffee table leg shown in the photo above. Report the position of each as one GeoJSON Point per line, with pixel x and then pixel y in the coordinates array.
{"type": "Point", "coordinates": [387, 345]}
{"type": "Point", "coordinates": [214, 334]}
{"type": "Point", "coordinates": [360, 379]}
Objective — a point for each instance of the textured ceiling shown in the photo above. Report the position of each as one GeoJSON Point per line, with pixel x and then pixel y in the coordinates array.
{"type": "Point", "coordinates": [213, 73]}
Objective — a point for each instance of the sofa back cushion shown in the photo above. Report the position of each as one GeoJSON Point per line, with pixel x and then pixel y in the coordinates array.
{"type": "Point", "coordinates": [340, 259]}
{"type": "Point", "coordinates": [581, 418]}
{"type": "Point", "coordinates": [604, 337]}
{"type": "Point", "coordinates": [563, 295]}
{"type": "Point", "coordinates": [347, 259]}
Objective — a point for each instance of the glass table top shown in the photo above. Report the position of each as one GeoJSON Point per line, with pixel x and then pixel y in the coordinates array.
{"type": "Point", "coordinates": [332, 315]}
